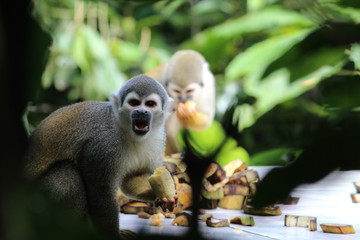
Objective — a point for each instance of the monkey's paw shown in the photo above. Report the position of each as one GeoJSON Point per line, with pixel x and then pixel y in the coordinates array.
{"type": "Point", "coordinates": [165, 203]}
{"type": "Point", "coordinates": [127, 234]}
{"type": "Point", "coordinates": [186, 112]}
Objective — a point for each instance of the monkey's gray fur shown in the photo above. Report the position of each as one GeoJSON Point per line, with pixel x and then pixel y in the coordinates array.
{"type": "Point", "coordinates": [83, 151]}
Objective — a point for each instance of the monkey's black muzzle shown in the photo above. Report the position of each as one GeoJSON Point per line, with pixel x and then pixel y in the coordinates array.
{"type": "Point", "coordinates": [141, 121]}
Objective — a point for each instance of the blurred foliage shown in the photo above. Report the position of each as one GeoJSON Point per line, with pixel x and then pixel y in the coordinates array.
{"type": "Point", "coordinates": [214, 141]}
{"type": "Point", "coordinates": [284, 66]}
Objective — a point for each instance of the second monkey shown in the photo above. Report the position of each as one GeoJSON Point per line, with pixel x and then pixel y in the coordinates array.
{"type": "Point", "coordinates": [188, 80]}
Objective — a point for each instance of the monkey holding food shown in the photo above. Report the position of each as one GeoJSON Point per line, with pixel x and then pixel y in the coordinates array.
{"type": "Point", "coordinates": [83, 151]}
{"type": "Point", "coordinates": [188, 80]}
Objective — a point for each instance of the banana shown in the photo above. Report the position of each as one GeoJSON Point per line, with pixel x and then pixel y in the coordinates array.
{"type": "Point", "coordinates": [243, 220]}
{"type": "Point", "coordinates": [337, 228]}
{"type": "Point", "coordinates": [182, 219]}
{"type": "Point", "coordinates": [232, 166]}
{"type": "Point", "coordinates": [232, 202]}
{"type": "Point", "coordinates": [214, 222]}
{"type": "Point", "coordinates": [156, 219]}
{"type": "Point", "coordinates": [162, 183]}
{"type": "Point", "coordinates": [301, 221]}
{"type": "Point", "coordinates": [264, 211]}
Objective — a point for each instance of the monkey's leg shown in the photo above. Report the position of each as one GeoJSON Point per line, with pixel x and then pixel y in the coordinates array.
{"type": "Point", "coordinates": [103, 205]}
{"type": "Point", "coordinates": [64, 182]}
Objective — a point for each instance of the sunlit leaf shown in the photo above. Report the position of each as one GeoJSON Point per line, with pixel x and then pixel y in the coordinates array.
{"type": "Point", "coordinates": [208, 141]}
{"type": "Point", "coordinates": [355, 55]}
{"type": "Point", "coordinates": [263, 53]}
{"type": "Point", "coordinates": [230, 152]}
{"type": "Point", "coordinates": [274, 157]}
{"type": "Point", "coordinates": [262, 20]}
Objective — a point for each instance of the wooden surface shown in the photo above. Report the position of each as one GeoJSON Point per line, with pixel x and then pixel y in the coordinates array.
{"type": "Point", "coordinates": [329, 200]}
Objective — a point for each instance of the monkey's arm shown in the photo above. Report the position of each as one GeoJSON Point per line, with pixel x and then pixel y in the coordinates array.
{"type": "Point", "coordinates": [192, 119]}
{"type": "Point", "coordinates": [138, 187]}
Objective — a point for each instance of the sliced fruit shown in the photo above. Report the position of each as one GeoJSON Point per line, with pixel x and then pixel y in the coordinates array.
{"type": "Point", "coordinates": [234, 189]}
{"type": "Point", "coordinates": [298, 221]}
{"type": "Point", "coordinates": [214, 222]}
{"type": "Point", "coordinates": [156, 219]}
{"type": "Point", "coordinates": [184, 193]}
{"type": "Point", "coordinates": [313, 225]}
{"type": "Point", "coordinates": [171, 167]}
{"type": "Point", "coordinates": [208, 191]}
{"type": "Point", "coordinates": [232, 202]}
{"type": "Point", "coordinates": [162, 183]}
{"type": "Point", "coordinates": [215, 173]}
{"type": "Point", "coordinates": [243, 220]}
{"type": "Point", "coordinates": [264, 211]}
{"type": "Point", "coordinates": [238, 178]}
{"type": "Point", "coordinates": [143, 215]}
{"type": "Point", "coordinates": [182, 219]}
{"type": "Point", "coordinates": [204, 218]}
{"type": "Point", "coordinates": [135, 207]}
{"type": "Point", "coordinates": [355, 197]}
{"type": "Point", "coordinates": [337, 228]}
{"type": "Point", "coordinates": [232, 166]}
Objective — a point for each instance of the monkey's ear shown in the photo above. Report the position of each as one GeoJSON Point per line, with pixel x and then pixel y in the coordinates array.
{"type": "Point", "coordinates": [168, 105]}
{"type": "Point", "coordinates": [115, 100]}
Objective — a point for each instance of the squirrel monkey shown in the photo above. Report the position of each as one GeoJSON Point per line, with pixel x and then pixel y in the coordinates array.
{"type": "Point", "coordinates": [188, 80]}
{"type": "Point", "coordinates": [83, 151]}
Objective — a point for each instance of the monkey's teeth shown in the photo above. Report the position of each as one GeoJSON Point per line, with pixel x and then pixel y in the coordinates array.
{"type": "Point", "coordinates": [146, 128]}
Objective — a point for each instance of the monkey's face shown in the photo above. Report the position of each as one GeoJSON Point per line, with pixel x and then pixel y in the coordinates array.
{"type": "Point", "coordinates": [142, 113]}
{"type": "Point", "coordinates": [190, 92]}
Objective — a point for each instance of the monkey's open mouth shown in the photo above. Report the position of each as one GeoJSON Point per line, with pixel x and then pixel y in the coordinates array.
{"type": "Point", "coordinates": [141, 127]}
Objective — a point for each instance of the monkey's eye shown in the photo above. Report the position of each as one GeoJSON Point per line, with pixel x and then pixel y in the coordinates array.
{"type": "Point", "coordinates": [189, 90]}
{"type": "Point", "coordinates": [150, 103]}
{"type": "Point", "coordinates": [134, 102]}
{"type": "Point", "coordinates": [176, 91]}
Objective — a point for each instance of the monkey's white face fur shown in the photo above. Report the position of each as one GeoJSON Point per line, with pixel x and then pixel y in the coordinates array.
{"type": "Point", "coordinates": [190, 92]}
{"type": "Point", "coordinates": [143, 115]}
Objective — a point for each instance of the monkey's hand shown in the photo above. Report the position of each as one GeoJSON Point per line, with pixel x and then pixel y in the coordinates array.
{"type": "Point", "coordinates": [165, 203]}
{"type": "Point", "coordinates": [190, 118]}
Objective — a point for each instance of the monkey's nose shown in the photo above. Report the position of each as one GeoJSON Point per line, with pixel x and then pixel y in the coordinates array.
{"type": "Point", "coordinates": [141, 111]}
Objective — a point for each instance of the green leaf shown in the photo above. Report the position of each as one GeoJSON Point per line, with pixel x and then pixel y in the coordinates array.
{"type": "Point", "coordinates": [230, 152]}
{"type": "Point", "coordinates": [206, 142]}
{"type": "Point", "coordinates": [277, 87]}
{"type": "Point", "coordinates": [263, 53]}
{"type": "Point", "coordinates": [273, 157]}
{"type": "Point", "coordinates": [80, 50]}
{"type": "Point", "coordinates": [355, 55]}
{"type": "Point", "coordinates": [254, 22]}
{"type": "Point", "coordinates": [244, 116]}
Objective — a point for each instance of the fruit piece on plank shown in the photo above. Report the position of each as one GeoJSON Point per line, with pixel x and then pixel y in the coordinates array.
{"type": "Point", "coordinates": [182, 219]}
{"type": "Point", "coordinates": [264, 211]}
{"type": "Point", "coordinates": [298, 221]}
{"type": "Point", "coordinates": [337, 228]}
{"type": "Point", "coordinates": [232, 202]}
{"type": "Point", "coordinates": [162, 183]}
{"type": "Point", "coordinates": [243, 220]}
{"type": "Point", "coordinates": [156, 219]}
{"type": "Point", "coordinates": [235, 189]}
{"type": "Point", "coordinates": [214, 222]}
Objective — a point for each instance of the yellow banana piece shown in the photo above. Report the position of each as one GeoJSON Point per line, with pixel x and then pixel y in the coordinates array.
{"type": "Point", "coordinates": [162, 183]}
